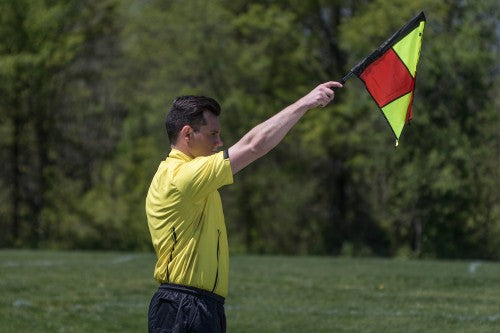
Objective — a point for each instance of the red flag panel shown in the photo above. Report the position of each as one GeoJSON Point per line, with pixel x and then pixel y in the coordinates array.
{"type": "Point", "coordinates": [409, 111]}
{"type": "Point", "coordinates": [387, 78]}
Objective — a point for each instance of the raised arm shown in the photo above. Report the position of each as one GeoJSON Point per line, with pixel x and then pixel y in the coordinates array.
{"type": "Point", "coordinates": [265, 136]}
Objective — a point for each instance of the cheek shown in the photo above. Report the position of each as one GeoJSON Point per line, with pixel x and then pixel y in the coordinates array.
{"type": "Point", "coordinates": [210, 141]}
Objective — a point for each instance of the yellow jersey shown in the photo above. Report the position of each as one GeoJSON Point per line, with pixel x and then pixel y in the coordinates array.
{"type": "Point", "coordinates": [186, 221]}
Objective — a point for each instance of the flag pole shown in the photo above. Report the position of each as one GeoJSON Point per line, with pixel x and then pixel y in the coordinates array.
{"type": "Point", "coordinates": [346, 77]}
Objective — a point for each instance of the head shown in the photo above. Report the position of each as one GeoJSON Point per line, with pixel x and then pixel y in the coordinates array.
{"type": "Point", "coordinates": [193, 125]}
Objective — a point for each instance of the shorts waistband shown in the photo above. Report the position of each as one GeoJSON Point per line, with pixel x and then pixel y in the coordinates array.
{"type": "Point", "coordinates": [192, 291]}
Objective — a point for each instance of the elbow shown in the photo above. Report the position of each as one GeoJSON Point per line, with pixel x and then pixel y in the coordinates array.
{"type": "Point", "coordinates": [258, 147]}
{"type": "Point", "coordinates": [246, 151]}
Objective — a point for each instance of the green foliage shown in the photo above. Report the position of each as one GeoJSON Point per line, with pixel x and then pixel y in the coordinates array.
{"type": "Point", "coordinates": [57, 108]}
{"type": "Point", "coordinates": [85, 86]}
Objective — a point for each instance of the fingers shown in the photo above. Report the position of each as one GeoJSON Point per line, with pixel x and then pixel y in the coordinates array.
{"type": "Point", "coordinates": [332, 84]}
{"type": "Point", "coordinates": [325, 96]}
{"type": "Point", "coordinates": [327, 91]}
{"type": "Point", "coordinates": [321, 95]}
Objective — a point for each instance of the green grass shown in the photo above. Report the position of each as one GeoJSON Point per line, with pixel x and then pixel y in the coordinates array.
{"type": "Point", "coordinates": [44, 291]}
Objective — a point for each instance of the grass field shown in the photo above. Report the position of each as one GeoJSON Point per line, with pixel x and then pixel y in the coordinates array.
{"type": "Point", "coordinates": [44, 291]}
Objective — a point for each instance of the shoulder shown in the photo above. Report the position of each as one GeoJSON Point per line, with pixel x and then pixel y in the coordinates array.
{"type": "Point", "coordinates": [205, 173]}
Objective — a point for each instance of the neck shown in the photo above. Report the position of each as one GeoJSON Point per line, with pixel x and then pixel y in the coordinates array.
{"type": "Point", "coordinates": [182, 149]}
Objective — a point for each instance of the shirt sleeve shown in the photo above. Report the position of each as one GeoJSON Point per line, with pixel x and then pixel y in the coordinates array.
{"type": "Point", "coordinates": [203, 175]}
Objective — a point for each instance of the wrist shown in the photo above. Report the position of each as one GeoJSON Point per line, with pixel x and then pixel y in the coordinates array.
{"type": "Point", "coordinates": [302, 105]}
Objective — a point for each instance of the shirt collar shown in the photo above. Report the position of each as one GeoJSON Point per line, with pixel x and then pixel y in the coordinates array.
{"type": "Point", "coordinates": [177, 154]}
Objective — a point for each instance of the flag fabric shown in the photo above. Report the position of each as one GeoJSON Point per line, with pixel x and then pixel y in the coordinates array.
{"type": "Point", "coordinates": [389, 73]}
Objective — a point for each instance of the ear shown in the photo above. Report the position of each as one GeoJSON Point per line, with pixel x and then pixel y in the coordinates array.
{"type": "Point", "coordinates": [185, 133]}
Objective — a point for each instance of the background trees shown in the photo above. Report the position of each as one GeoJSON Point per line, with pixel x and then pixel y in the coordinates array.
{"type": "Point", "coordinates": [85, 87]}
{"type": "Point", "coordinates": [58, 114]}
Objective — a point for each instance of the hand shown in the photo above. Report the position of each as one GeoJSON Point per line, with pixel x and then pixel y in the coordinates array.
{"type": "Point", "coordinates": [321, 95]}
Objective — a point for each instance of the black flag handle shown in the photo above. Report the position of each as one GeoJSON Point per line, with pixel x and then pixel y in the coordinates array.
{"type": "Point", "coordinates": [346, 77]}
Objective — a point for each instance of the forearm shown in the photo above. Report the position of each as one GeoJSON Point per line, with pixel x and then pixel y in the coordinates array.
{"type": "Point", "coordinates": [265, 136]}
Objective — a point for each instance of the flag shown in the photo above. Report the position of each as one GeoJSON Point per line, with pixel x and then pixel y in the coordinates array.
{"type": "Point", "coordinates": [389, 73]}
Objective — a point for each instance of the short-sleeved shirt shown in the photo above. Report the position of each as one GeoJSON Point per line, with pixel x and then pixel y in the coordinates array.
{"type": "Point", "coordinates": [186, 221]}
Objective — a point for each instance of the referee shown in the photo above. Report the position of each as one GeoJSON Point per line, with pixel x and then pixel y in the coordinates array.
{"type": "Point", "coordinates": [184, 209]}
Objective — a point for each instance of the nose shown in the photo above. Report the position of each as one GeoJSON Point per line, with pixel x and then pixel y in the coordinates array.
{"type": "Point", "coordinates": [218, 142]}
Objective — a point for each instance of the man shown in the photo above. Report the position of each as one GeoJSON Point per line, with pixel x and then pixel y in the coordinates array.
{"type": "Point", "coordinates": [184, 208]}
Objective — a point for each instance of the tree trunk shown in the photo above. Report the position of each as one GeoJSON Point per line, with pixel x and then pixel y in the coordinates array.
{"type": "Point", "coordinates": [16, 180]}
{"type": "Point", "coordinates": [42, 148]}
{"type": "Point", "coordinates": [418, 230]}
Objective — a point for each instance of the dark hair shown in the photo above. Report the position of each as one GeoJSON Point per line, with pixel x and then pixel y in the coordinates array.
{"type": "Point", "coordinates": [188, 110]}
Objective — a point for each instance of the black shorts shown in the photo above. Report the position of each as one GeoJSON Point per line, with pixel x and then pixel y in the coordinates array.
{"type": "Point", "coordinates": [176, 308]}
